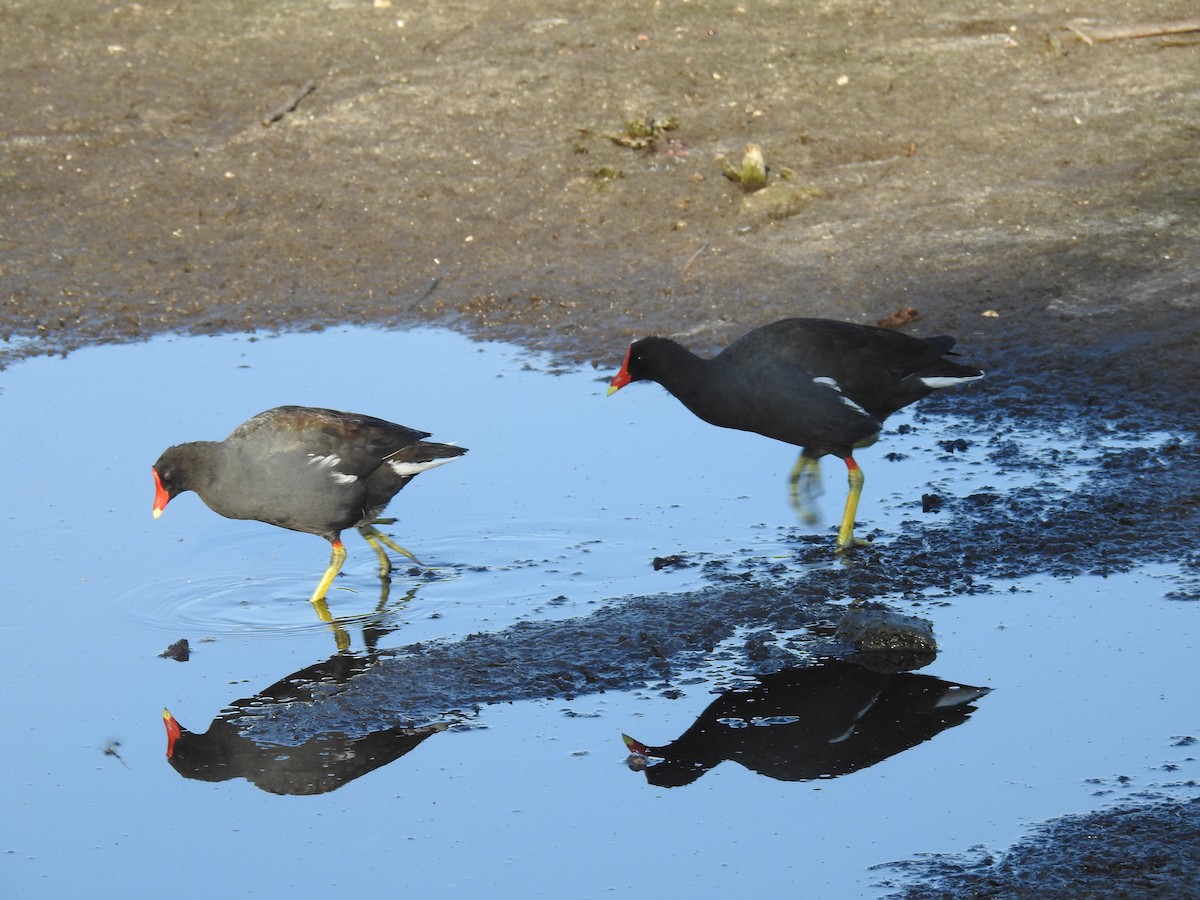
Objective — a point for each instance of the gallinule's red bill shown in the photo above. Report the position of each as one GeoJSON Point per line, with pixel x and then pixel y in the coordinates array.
{"type": "Point", "coordinates": [824, 386]}
{"type": "Point", "coordinates": [314, 470]}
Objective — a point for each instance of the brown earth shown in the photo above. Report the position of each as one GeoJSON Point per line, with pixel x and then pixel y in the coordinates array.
{"type": "Point", "coordinates": [455, 164]}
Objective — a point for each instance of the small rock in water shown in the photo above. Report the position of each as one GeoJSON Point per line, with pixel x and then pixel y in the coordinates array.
{"type": "Point", "coordinates": [180, 651]}
{"type": "Point", "coordinates": [887, 641]}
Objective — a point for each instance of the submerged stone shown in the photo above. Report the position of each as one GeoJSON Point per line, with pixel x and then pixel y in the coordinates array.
{"type": "Point", "coordinates": [887, 641]}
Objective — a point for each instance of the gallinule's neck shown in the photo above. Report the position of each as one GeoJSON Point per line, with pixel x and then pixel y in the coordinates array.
{"type": "Point", "coordinates": [689, 378]}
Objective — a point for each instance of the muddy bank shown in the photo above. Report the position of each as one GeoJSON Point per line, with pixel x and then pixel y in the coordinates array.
{"type": "Point", "coordinates": [547, 174]}
{"type": "Point", "coordinates": [1139, 849]}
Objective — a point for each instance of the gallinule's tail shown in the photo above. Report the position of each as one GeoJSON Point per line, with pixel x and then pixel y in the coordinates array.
{"type": "Point", "coordinates": [824, 386]}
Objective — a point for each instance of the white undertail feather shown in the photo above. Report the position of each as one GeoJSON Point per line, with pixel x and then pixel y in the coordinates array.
{"type": "Point", "coordinates": [960, 695]}
{"type": "Point", "coordinates": [412, 468]}
{"type": "Point", "coordinates": [944, 381]}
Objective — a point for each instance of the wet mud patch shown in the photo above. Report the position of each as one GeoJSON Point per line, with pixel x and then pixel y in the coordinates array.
{"type": "Point", "coordinates": [656, 642]}
{"type": "Point", "coordinates": [1140, 849]}
{"type": "Point", "coordinates": [1072, 490]}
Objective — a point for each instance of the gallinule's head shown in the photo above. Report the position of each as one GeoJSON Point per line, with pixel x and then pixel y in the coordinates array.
{"type": "Point", "coordinates": [170, 479]}
{"type": "Point", "coordinates": [644, 361]}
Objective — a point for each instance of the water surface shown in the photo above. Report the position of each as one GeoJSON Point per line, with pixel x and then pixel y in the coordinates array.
{"type": "Point", "coordinates": [559, 509]}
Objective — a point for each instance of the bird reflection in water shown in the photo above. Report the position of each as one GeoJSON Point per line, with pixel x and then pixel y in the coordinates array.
{"type": "Point", "coordinates": [801, 724]}
{"type": "Point", "coordinates": [323, 762]}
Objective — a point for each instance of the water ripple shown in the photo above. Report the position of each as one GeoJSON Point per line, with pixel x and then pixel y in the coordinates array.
{"type": "Point", "coordinates": [267, 605]}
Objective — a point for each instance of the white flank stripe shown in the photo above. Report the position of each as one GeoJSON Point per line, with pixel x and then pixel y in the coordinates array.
{"type": "Point", "coordinates": [826, 381]}
{"type": "Point", "coordinates": [328, 462]}
{"type": "Point", "coordinates": [943, 381]}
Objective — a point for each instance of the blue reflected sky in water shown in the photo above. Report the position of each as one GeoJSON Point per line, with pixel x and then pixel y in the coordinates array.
{"type": "Point", "coordinates": [565, 493]}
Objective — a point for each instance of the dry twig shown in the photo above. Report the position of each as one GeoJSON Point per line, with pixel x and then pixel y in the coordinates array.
{"type": "Point", "coordinates": [1091, 34]}
{"type": "Point", "coordinates": [290, 105]}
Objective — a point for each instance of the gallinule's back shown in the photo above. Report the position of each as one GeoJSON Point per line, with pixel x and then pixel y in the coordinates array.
{"type": "Point", "coordinates": [314, 470]}
{"type": "Point", "coordinates": [824, 386]}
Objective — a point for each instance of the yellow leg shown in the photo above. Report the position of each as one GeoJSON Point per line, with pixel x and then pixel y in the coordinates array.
{"type": "Point", "coordinates": [335, 565]}
{"type": "Point", "coordinates": [322, 609]}
{"type": "Point", "coordinates": [340, 637]}
{"type": "Point", "coordinates": [375, 537]}
{"type": "Point", "coordinates": [845, 538]}
{"type": "Point", "coordinates": [805, 484]}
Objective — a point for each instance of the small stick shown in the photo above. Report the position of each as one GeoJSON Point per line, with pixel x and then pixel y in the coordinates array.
{"type": "Point", "coordinates": [691, 259]}
{"type": "Point", "coordinates": [425, 296]}
{"type": "Point", "coordinates": [1129, 32]}
{"type": "Point", "coordinates": [290, 105]}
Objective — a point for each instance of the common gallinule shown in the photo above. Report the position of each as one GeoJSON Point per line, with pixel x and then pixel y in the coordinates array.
{"type": "Point", "coordinates": [822, 385]}
{"type": "Point", "coordinates": [308, 469]}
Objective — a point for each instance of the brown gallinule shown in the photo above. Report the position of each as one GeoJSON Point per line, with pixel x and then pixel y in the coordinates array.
{"type": "Point", "coordinates": [314, 470]}
{"type": "Point", "coordinates": [822, 385]}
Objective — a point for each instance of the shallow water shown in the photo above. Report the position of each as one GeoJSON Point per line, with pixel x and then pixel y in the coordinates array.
{"type": "Point", "coordinates": [558, 510]}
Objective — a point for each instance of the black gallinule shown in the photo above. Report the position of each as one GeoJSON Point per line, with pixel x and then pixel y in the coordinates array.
{"type": "Point", "coordinates": [313, 470]}
{"type": "Point", "coordinates": [822, 385]}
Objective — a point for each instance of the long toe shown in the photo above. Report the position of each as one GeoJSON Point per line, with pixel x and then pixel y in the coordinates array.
{"type": "Point", "coordinates": [375, 537]}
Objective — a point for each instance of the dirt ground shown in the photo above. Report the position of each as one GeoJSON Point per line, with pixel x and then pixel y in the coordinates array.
{"type": "Point", "coordinates": [456, 163]}
{"type": "Point", "coordinates": [547, 173]}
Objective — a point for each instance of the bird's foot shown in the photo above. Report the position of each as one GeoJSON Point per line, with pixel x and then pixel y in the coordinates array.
{"type": "Point", "coordinates": [375, 538]}
{"type": "Point", "coordinates": [852, 544]}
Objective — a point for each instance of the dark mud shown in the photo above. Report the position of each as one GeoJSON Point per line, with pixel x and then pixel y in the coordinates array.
{"type": "Point", "coordinates": [641, 643]}
{"type": "Point", "coordinates": [455, 164]}
{"type": "Point", "coordinates": [1141, 849]}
